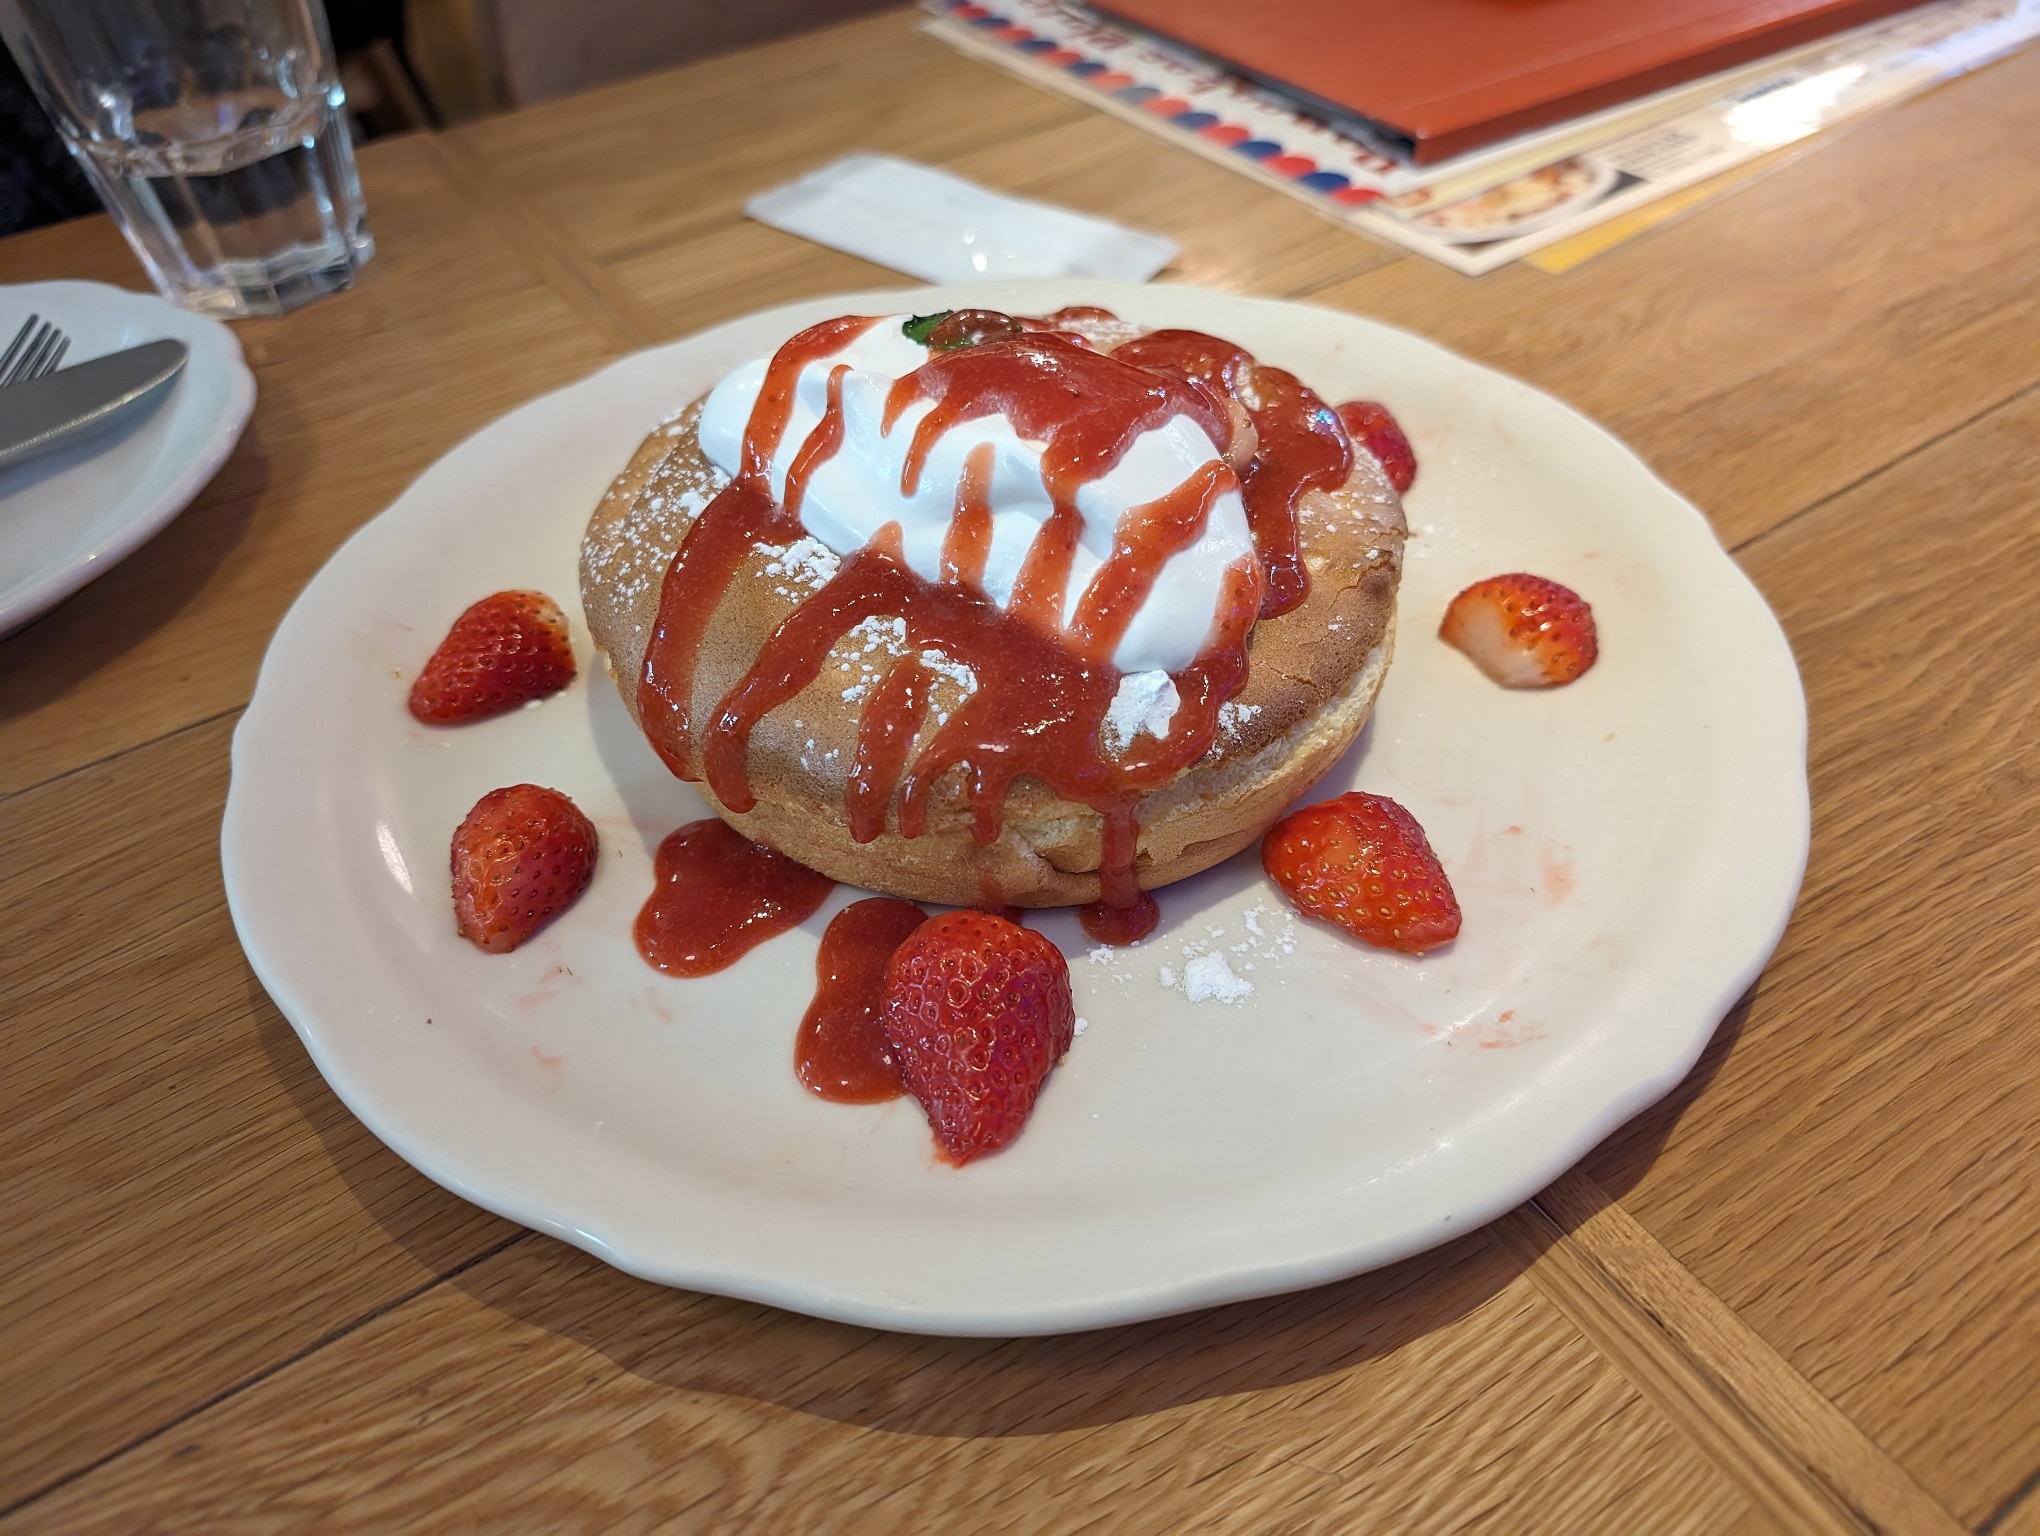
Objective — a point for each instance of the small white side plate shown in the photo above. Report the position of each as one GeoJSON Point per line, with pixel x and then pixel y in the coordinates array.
{"type": "Point", "coordinates": [1626, 850]}
{"type": "Point", "coordinates": [72, 514]}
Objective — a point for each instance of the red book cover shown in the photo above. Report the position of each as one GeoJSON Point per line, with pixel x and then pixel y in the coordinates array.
{"type": "Point", "coordinates": [1447, 76]}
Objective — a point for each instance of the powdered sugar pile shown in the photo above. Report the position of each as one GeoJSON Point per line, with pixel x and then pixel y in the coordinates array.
{"type": "Point", "coordinates": [1215, 967]}
{"type": "Point", "coordinates": [1209, 977]}
{"type": "Point", "coordinates": [1146, 701]}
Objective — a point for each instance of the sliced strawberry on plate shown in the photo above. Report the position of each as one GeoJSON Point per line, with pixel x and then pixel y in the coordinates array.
{"type": "Point", "coordinates": [521, 858]}
{"type": "Point", "coordinates": [507, 648]}
{"type": "Point", "coordinates": [977, 1011]}
{"type": "Point", "coordinates": [1522, 630]}
{"type": "Point", "coordinates": [1362, 862]}
{"type": "Point", "coordinates": [1371, 427]}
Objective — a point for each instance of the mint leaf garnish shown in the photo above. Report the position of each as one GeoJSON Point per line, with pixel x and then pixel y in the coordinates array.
{"type": "Point", "coordinates": [918, 328]}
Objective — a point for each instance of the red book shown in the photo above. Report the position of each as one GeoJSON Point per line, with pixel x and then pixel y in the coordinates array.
{"type": "Point", "coordinates": [1446, 76]}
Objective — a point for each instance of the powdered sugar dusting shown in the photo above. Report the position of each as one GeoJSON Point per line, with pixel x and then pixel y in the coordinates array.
{"type": "Point", "coordinates": [1233, 716]}
{"type": "Point", "coordinates": [641, 544]}
{"type": "Point", "coordinates": [963, 680]}
{"type": "Point", "coordinates": [1215, 966]}
{"type": "Point", "coordinates": [806, 563]}
{"type": "Point", "coordinates": [947, 666]}
{"type": "Point", "coordinates": [867, 653]}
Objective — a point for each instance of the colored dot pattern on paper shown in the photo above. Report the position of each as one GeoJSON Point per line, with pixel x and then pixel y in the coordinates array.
{"type": "Point", "coordinates": [1301, 169]}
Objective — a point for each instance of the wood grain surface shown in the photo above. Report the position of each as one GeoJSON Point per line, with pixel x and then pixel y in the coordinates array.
{"type": "Point", "coordinates": [447, 312]}
{"type": "Point", "coordinates": [1800, 1294]}
{"type": "Point", "coordinates": [186, 1204]}
{"type": "Point", "coordinates": [540, 1389]}
{"type": "Point", "coordinates": [1778, 346]}
{"type": "Point", "coordinates": [1858, 1180]}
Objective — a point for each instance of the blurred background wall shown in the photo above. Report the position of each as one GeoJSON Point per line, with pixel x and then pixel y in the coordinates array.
{"type": "Point", "coordinates": [478, 56]}
{"type": "Point", "coordinates": [416, 64]}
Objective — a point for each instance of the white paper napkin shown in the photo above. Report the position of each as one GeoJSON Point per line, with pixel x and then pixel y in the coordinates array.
{"type": "Point", "coordinates": [933, 225]}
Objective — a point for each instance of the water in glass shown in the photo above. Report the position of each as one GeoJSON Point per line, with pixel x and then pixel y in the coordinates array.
{"type": "Point", "coordinates": [215, 133]}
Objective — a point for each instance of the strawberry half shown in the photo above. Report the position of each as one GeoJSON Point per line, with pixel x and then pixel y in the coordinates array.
{"type": "Point", "coordinates": [1361, 861]}
{"type": "Point", "coordinates": [1371, 427]}
{"type": "Point", "coordinates": [522, 857]}
{"type": "Point", "coordinates": [977, 1011]}
{"type": "Point", "coordinates": [509, 647]}
{"type": "Point", "coordinates": [1523, 631]}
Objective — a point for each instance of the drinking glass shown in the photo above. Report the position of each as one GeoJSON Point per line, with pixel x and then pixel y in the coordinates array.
{"type": "Point", "coordinates": [214, 131]}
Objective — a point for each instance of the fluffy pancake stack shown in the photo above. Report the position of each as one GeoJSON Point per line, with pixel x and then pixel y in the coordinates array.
{"type": "Point", "coordinates": [1313, 675]}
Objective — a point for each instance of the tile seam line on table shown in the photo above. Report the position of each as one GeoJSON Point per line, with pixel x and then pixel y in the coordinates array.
{"type": "Point", "coordinates": [256, 1378]}
{"type": "Point", "coordinates": [120, 752]}
{"type": "Point", "coordinates": [1874, 1490]}
{"type": "Point", "coordinates": [558, 261]}
{"type": "Point", "coordinates": [2018, 1496]}
{"type": "Point", "coordinates": [1888, 465]}
{"type": "Point", "coordinates": [1713, 1420]}
{"type": "Point", "coordinates": [1312, 290]}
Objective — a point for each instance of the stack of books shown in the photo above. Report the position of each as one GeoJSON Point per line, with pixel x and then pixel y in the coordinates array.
{"type": "Point", "coordinates": [1478, 132]}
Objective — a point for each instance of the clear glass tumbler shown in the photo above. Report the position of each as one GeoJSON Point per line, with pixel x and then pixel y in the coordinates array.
{"type": "Point", "coordinates": [214, 131]}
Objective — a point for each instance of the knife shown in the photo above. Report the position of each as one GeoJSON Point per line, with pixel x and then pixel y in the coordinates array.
{"type": "Point", "coordinates": [45, 411]}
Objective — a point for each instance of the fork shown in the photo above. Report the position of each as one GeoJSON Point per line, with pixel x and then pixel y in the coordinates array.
{"type": "Point", "coordinates": [33, 352]}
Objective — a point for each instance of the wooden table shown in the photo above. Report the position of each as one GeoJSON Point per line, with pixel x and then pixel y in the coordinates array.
{"type": "Point", "coordinates": [1801, 1294]}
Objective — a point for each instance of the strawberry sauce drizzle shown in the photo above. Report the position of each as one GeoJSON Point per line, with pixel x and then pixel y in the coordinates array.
{"type": "Point", "coordinates": [725, 532]}
{"type": "Point", "coordinates": [1120, 925]}
{"type": "Point", "coordinates": [841, 1051]}
{"type": "Point", "coordinates": [1042, 692]}
{"type": "Point", "coordinates": [774, 407]}
{"type": "Point", "coordinates": [1302, 446]}
{"type": "Point", "coordinates": [743, 515]}
{"type": "Point", "coordinates": [1084, 407]}
{"type": "Point", "coordinates": [716, 895]}
{"type": "Point", "coordinates": [1147, 537]}
{"type": "Point", "coordinates": [822, 445]}
{"type": "Point", "coordinates": [968, 544]}
{"type": "Point", "coordinates": [892, 719]}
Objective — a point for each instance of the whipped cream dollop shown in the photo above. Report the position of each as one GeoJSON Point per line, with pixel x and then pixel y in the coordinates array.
{"type": "Point", "coordinates": [857, 492]}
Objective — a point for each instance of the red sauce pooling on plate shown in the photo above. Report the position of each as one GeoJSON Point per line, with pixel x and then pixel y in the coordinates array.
{"type": "Point", "coordinates": [716, 895]}
{"type": "Point", "coordinates": [841, 1051]}
{"type": "Point", "coordinates": [1043, 688]}
{"type": "Point", "coordinates": [1120, 925]}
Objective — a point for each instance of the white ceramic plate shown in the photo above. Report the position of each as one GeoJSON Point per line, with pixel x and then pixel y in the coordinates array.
{"type": "Point", "coordinates": [72, 514]}
{"type": "Point", "coordinates": [1626, 850]}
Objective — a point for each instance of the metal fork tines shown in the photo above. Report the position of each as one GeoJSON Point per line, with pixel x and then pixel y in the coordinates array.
{"type": "Point", "coordinates": [33, 352]}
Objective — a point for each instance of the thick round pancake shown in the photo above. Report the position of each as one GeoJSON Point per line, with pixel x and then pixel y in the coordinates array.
{"type": "Point", "coordinates": [1312, 677]}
